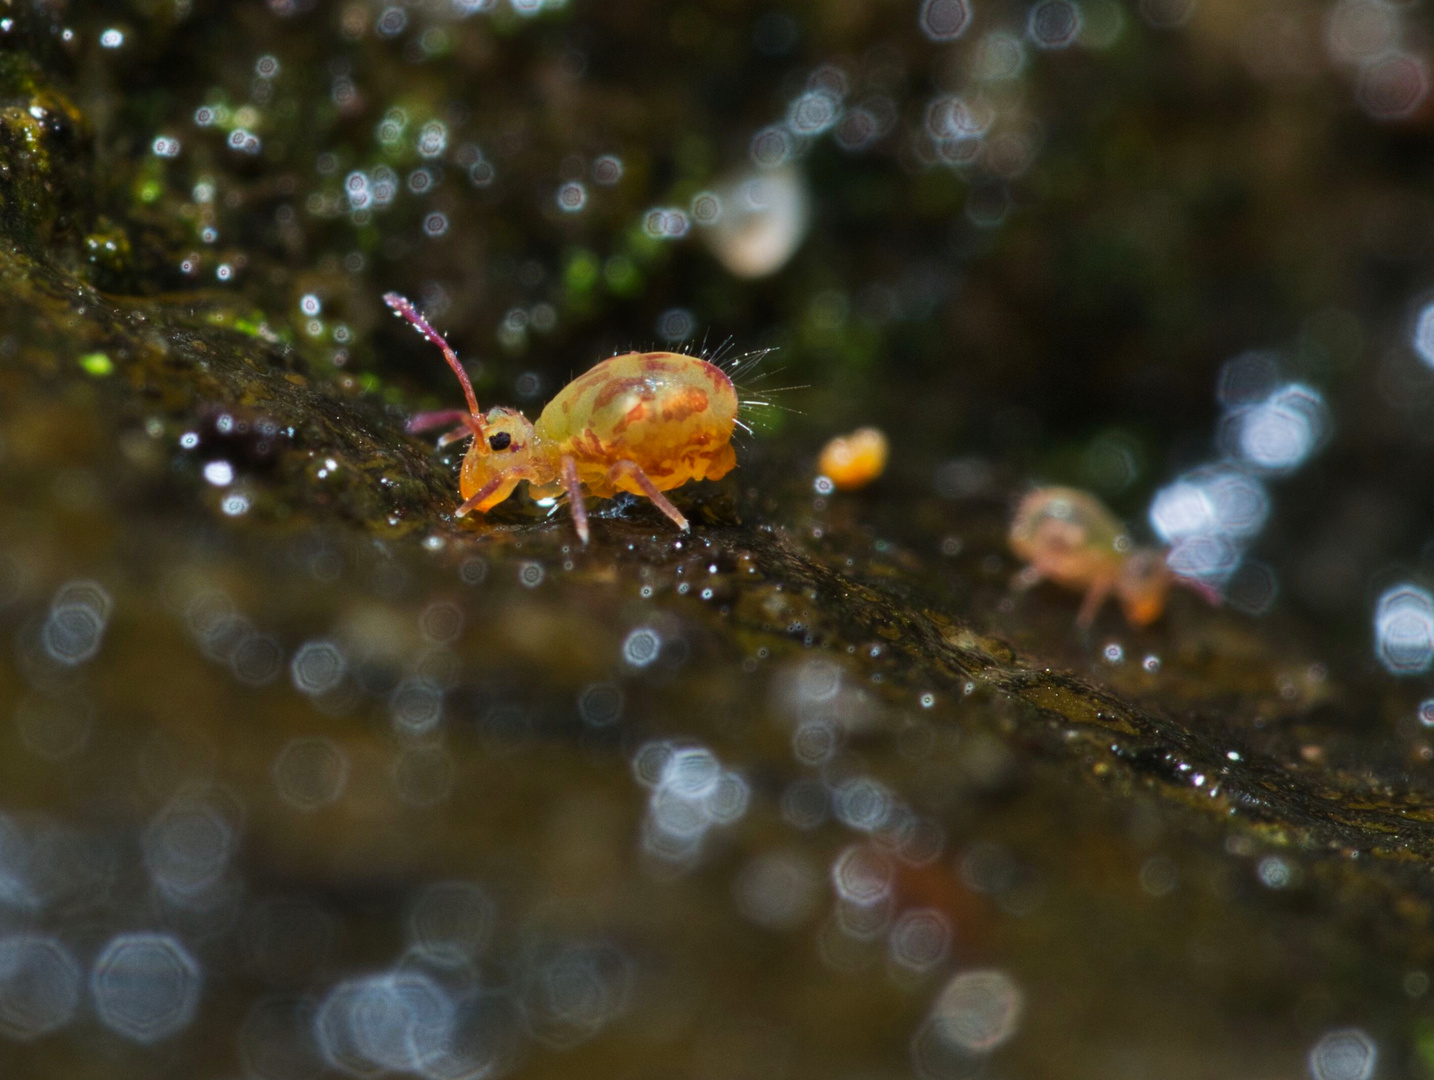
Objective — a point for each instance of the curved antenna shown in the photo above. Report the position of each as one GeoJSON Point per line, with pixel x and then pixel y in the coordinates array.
{"type": "Point", "coordinates": [405, 308]}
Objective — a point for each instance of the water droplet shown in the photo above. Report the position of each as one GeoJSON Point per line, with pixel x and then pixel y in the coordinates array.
{"type": "Point", "coordinates": [572, 197]}
{"type": "Point", "coordinates": [777, 890]}
{"type": "Point", "coordinates": [310, 773]}
{"type": "Point", "coordinates": [1343, 1054]}
{"type": "Point", "coordinates": [39, 986]}
{"type": "Point", "coordinates": [145, 986]}
{"type": "Point", "coordinates": [944, 20]}
{"type": "Point", "coordinates": [641, 647]}
{"type": "Point", "coordinates": [978, 1010]}
{"type": "Point", "coordinates": [318, 667]}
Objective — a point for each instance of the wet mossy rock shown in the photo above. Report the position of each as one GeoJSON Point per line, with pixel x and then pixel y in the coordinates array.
{"type": "Point", "coordinates": [168, 364]}
{"type": "Point", "coordinates": [321, 451]}
{"type": "Point", "coordinates": [46, 160]}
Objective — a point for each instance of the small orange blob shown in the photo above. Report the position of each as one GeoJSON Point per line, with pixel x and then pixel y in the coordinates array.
{"type": "Point", "coordinates": [855, 460]}
{"type": "Point", "coordinates": [1070, 537]}
{"type": "Point", "coordinates": [641, 423]}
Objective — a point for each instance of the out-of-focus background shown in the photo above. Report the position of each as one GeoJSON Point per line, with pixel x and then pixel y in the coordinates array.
{"type": "Point", "coordinates": [301, 776]}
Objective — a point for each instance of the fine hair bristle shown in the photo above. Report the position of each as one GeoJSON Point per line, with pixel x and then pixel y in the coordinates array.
{"type": "Point", "coordinates": [744, 364]}
{"type": "Point", "coordinates": [740, 367]}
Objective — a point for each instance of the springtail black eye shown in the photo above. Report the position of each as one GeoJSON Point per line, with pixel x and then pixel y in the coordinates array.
{"type": "Point", "coordinates": [500, 441]}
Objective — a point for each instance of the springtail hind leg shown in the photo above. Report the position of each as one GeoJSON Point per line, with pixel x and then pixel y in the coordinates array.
{"type": "Point", "coordinates": [659, 500]}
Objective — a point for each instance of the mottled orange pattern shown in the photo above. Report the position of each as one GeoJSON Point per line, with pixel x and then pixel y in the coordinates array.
{"type": "Point", "coordinates": [671, 414]}
{"type": "Point", "coordinates": [1070, 537]}
{"type": "Point", "coordinates": [641, 422]}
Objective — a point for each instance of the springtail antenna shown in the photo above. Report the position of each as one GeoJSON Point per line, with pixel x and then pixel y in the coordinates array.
{"type": "Point", "coordinates": [406, 309]}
